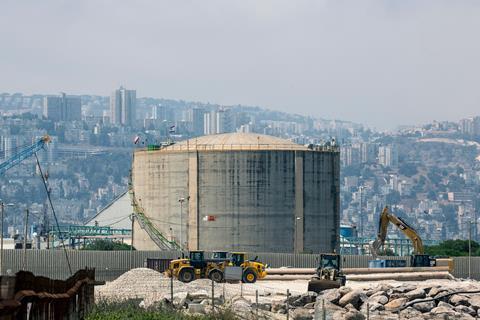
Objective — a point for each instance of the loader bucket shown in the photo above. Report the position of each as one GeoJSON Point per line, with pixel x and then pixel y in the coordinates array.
{"type": "Point", "coordinates": [318, 285]}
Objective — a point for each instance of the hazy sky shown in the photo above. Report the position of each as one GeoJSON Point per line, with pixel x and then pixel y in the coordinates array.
{"type": "Point", "coordinates": [382, 63]}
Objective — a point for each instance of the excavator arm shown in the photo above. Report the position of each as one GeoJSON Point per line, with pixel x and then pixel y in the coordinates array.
{"type": "Point", "coordinates": [386, 218]}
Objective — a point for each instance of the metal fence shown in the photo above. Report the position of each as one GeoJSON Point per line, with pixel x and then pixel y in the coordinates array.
{"type": "Point", "coordinates": [110, 264]}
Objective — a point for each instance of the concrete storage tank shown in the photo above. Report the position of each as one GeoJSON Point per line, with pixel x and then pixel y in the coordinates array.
{"type": "Point", "coordinates": [240, 191]}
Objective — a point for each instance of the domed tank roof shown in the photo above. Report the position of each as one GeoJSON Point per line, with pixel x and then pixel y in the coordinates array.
{"type": "Point", "coordinates": [236, 141]}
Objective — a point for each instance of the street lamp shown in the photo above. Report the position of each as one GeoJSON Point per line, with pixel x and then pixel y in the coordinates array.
{"type": "Point", "coordinates": [181, 200]}
{"type": "Point", "coordinates": [361, 210]}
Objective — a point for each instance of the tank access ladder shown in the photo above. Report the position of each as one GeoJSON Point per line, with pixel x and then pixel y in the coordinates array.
{"type": "Point", "coordinates": [157, 237]}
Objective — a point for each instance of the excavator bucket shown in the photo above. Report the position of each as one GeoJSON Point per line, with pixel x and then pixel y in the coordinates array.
{"type": "Point", "coordinates": [318, 285]}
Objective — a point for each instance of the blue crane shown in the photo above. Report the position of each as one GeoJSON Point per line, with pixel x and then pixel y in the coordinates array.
{"type": "Point", "coordinates": [23, 154]}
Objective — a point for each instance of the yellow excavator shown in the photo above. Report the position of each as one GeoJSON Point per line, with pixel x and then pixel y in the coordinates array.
{"type": "Point", "coordinates": [418, 258]}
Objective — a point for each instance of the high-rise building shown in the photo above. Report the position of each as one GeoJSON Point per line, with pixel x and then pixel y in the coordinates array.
{"type": "Point", "coordinates": [220, 121]}
{"type": "Point", "coordinates": [62, 108]}
{"type": "Point", "coordinates": [467, 126]}
{"type": "Point", "coordinates": [210, 123]}
{"type": "Point", "coordinates": [349, 155]}
{"type": "Point", "coordinates": [197, 121]}
{"type": "Point", "coordinates": [160, 112]}
{"type": "Point", "coordinates": [388, 156]}
{"type": "Point", "coordinates": [9, 146]}
{"type": "Point", "coordinates": [122, 106]}
{"type": "Point", "coordinates": [367, 153]}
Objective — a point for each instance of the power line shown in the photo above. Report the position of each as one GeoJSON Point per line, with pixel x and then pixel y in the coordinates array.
{"type": "Point", "coordinates": [54, 214]}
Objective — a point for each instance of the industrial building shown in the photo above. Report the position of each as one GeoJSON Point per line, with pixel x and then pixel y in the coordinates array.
{"type": "Point", "coordinates": [239, 191]}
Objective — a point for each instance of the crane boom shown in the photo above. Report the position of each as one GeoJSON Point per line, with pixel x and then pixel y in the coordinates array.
{"type": "Point", "coordinates": [387, 217]}
{"type": "Point", "coordinates": [23, 154]}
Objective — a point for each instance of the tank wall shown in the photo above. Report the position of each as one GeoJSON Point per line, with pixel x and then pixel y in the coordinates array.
{"type": "Point", "coordinates": [321, 201]}
{"type": "Point", "coordinates": [160, 179]}
{"type": "Point", "coordinates": [252, 196]}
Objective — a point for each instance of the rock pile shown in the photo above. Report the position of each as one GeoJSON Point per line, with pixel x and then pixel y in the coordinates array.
{"type": "Point", "coordinates": [412, 302]}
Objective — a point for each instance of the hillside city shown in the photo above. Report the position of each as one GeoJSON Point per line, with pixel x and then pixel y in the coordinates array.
{"type": "Point", "coordinates": [429, 174]}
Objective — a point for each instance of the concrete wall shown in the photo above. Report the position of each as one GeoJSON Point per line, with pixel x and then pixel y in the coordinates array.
{"type": "Point", "coordinates": [160, 179]}
{"type": "Point", "coordinates": [322, 202]}
{"type": "Point", "coordinates": [251, 194]}
{"type": "Point", "coordinates": [270, 201]}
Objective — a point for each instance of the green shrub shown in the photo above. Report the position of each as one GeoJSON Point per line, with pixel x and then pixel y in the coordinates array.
{"type": "Point", "coordinates": [131, 310]}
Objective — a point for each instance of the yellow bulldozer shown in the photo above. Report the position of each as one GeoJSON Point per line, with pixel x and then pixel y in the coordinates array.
{"type": "Point", "coordinates": [196, 266]}
{"type": "Point", "coordinates": [252, 269]}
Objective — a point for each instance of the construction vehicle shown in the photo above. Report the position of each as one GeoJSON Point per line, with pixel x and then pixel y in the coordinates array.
{"type": "Point", "coordinates": [252, 269]}
{"type": "Point", "coordinates": [196, 267]}
{"type": "Point", "coordinates": [418, 258]}
{"type": "Point", "coordinates": [329, 274]}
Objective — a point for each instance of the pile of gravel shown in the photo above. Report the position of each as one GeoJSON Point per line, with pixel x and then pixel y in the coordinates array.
{"type": "Point", "coordinates": [135, 284]}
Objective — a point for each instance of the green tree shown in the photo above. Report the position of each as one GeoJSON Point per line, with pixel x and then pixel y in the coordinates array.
{"type": "Point", "coordinates": [453, 248]}
{"type": "Point", "coordinates": [106, 245]}
{"type": "Point", "coordinates": [408, 169]}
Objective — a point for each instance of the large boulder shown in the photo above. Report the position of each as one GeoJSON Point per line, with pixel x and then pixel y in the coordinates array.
{"type": "Point", "coordinates": [415, 294]}
{"type": "Point", "coordinates": [353, 315]}
{"type": "Point", "coordinates": [279, 307]}
{"type": "Point", "coordinates": [241, 306]}
{"type": "Point", "coordinates": [465, 310]}
{"type": "Point", "coordinates": [353, 297]}
{"type": "Point", "coordinates": [424, 306]}
{"type": "Point", "coordinates": [378, 293]}
{"type": "Point", "coordinates": [330, 295]}
{"type": "Point", "coordinates": [337, 315]}
{"type": "Point", "coordinates": [303, 300]}
{"type": "Point", "coordinates": [395, 304]}
{"type": "Point", "coordinates": [444, 304]}
{"type": "Point", "coordinates": [330, 308]}
{"type": "Point", "coordinates": [410, 313]}
{"type": "Point", "coordinates": [474, 302]}
{"type": "Point", "coordinates": [372, 307]}
{"type": "Point", "coordinates": [310, 305]}
{"type": "Point", "coordinates": [442, 310]}
{"type": "Point", "coordinates": [301, 314]}
{"type": "Point", "coordinates": [458, 299]}
{"type": "Point", "coordinates": [435, 290]}
{"type": "Point", "coordinates": [380, 299]}
{"type": "Point", "coordinates": [404, 288]}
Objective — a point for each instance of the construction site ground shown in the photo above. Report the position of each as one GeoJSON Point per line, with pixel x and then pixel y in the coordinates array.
{"type": "Point", "coordinates": [149, 287]}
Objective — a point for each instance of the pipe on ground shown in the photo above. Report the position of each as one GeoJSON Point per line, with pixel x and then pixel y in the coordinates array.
{"type": "Point", "coordinates": [311, 271]}
{"type": "Point", "coordinates": [410, 276]}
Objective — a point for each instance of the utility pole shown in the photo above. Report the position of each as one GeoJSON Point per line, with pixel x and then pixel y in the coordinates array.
{"type": "Point", "coordinates": [131, 242]}
{"type": "Point", "coordinates": [1, 240]}
{"type": "Point", "coordinates": [25, 230]}
{"type": "Point", "coordinates": [361, 211]}
{"type": "Point", "coordinates": [181, 200]}
{"type": "Point", "coordinates": [469, 249]}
